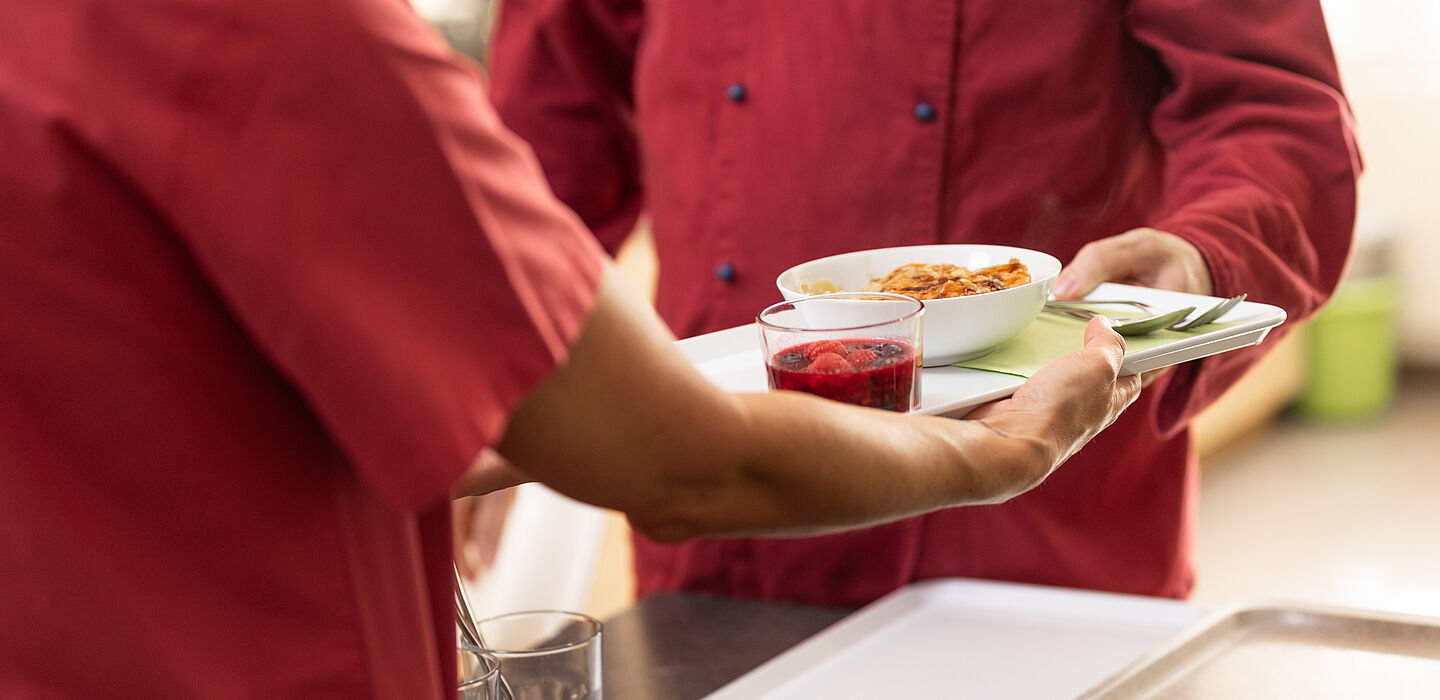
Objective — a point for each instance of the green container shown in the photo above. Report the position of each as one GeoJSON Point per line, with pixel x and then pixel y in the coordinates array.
{"type": "Point", "coordinates": [1351, 354]}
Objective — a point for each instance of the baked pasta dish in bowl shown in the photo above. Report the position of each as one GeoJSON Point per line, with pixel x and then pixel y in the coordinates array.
{"type": "Point", "coordinates": [976, 296]}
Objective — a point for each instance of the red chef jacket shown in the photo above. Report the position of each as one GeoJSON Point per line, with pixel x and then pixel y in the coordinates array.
{"type": "Point", "coordinates": [260, 304]}
{"type": "Point", "coordinates": [759, 135]}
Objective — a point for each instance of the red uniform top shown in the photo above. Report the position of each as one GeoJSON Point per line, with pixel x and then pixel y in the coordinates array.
{"type": "Point", "coordinates": [260, 305]}
{"type": "Point", "coordinates": [760, 135]}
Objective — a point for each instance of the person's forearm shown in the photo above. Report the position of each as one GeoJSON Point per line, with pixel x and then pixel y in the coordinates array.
{"type": "Point", "coordinates": [807, 466]}
{"type": "Point", "coordinates": [629, 424]}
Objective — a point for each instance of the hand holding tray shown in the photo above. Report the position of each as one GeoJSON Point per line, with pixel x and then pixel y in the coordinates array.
{"type": "Point", "coordinates": [732, 359]}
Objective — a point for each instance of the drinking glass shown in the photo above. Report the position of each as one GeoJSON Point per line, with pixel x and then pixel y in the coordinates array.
{"type": "Point", "coordinates": [479, 674]}
{"type": "Point", "coordinates": [857, 347]}
{"type": "Point", "coordinates": [546, 654]}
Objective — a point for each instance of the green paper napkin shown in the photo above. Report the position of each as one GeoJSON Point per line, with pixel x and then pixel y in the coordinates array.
{"type": "Point", "coordinates": [1051, 335]}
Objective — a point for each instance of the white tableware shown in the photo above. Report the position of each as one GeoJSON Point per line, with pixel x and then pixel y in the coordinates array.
{"type": "Point", "coordinates": [958, 328]}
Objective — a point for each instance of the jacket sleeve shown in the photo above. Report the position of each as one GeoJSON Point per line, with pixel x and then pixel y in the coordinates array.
{"type": "Point", "coordinates": [424, 283]}
{"type": "Point", "coordinates": [561, 77]}
{"type": "Point", "coordinates": [1261, 162]}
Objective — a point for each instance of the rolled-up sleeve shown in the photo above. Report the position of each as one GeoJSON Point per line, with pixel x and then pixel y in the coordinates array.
{"type": "Point", "coordinates": [388, 246]}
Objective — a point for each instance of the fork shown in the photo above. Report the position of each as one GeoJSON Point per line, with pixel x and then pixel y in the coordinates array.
{"type": "Point", "coordinates": [1173, 320]}
{"type": "Point", "coordinates": [1212, 315]}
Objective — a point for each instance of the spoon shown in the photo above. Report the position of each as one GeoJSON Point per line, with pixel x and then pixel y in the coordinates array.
{"type": "Point", "coordinates": [1130, 326]}
{"type": "Point", "coordinates": [1149, 324]}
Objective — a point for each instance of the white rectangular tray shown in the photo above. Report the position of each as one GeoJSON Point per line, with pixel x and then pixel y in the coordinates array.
{"type": "Point", "coordinates": [732, 359]}
{"type": "Point", "coordinates": [963, 638]}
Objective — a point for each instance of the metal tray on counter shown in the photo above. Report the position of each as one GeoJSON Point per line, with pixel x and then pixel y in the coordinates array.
{"type": "Point", "coordinates": [1287, 651]}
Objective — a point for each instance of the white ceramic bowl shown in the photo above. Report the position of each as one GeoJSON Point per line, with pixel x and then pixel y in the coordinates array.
{"type": "Point", "coordinates": [956, 329]}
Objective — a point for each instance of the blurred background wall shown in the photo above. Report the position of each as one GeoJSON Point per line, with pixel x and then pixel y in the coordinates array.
{"type": "Point", "coordinates": [1389, 52]}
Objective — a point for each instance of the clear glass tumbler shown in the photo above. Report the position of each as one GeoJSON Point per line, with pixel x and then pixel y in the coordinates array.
{"type": "Point", "coordinates": [857, 347]}
{"type": "Point", "coordinates": [546, 654]}
{"type": "Point", "coordinates": [479, 674]}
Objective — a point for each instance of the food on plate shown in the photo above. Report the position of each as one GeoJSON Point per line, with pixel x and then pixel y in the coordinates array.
{"type": "Point", "coordinates": [873, 372]}
{"type": "Point", "coordinates": [943, 281]}
{"type": "Point", "coordinates": [937, 280]}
